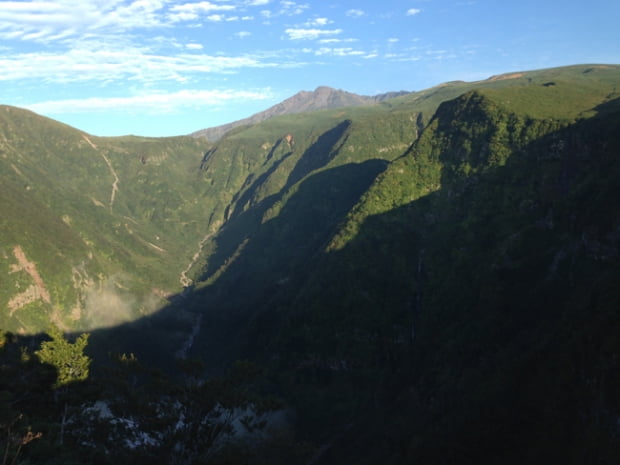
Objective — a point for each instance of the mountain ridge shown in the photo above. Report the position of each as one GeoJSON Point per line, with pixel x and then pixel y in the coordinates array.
{"type": "Point", "coordinates": [322, 98]}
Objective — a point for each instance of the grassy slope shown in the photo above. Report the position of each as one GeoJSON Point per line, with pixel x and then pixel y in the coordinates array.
{"type": "Point", "coordinates": [93, 252]}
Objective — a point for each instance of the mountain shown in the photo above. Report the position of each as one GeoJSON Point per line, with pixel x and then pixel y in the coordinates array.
{"type": "Point", "coordinates": [321, 98]}
{"type": "Point", "coordinates": [430, 279]}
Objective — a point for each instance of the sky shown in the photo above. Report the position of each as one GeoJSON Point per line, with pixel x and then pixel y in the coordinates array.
{"type": "Point", "coordinates": [171, 67]}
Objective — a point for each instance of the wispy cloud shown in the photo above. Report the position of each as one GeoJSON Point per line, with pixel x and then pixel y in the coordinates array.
{"type": "Point", "coordinates": [153, 102]}
{"type": "Point", "coordinates": [355, 13]}
{"type": "Point", "coordinates": [334, 40]}
{"type": "Point", "coordinates": [135, 64]}
{"type": "Point", "coordinates": [45, 20]}
{"type": "Point", "coordinates": [192, 11]}
{"type": "Point", "coordinates": [340, 52]}
{"type": "Point", "coordinates": [317, 22]}
{"type": "Point", "coordinates": [413, 11]}
{"type": "Point", "coordinates": [291, 8]}
{"type": "Point", "coordinates": [310, 34]}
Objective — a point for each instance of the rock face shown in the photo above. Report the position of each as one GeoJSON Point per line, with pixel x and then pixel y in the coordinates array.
{"type": "Point", "coordinates": [321, 98]}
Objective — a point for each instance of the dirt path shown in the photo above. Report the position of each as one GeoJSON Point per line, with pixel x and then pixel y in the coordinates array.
{"type": "Point", "coordinates": [89, 141]}
{"type": "Point", "coordinates": [114, 175]}
{"type": "Point", "coordinates": [114, 184]}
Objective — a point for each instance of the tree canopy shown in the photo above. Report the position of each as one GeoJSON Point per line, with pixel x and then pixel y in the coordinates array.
{"type": "Point", "coordinates": [67, 357]}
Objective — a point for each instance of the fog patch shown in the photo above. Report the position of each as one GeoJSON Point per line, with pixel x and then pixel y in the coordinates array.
{"type": "Point", "coordinates": [108, 305]}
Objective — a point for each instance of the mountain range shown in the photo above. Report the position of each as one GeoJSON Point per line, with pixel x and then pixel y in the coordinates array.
{"type": "Point", "coordinates": [424, 277]}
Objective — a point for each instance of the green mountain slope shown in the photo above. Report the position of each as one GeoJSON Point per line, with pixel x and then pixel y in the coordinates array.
{"type": "Point", "coordinates": [466, 309]}
{"type": "Point", "coordinates": [94, 231]}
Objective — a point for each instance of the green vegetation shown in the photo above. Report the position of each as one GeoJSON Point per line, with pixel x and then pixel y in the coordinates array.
{"type": "Point", "coordinates": [443, 323]}
{"type": "Point", "coordinates": [432, 279]}
{"type": "Point", "coordinates": [125, 412]}
{"type": "Point", "coordinates": [95, 231]}
{"type": "Point", "coordinates": [68, 358]}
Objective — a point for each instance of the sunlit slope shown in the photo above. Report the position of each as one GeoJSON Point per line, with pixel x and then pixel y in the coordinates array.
{"type": "Point", "coordinates": [94, 230]}
{"type": "Point", "coordinates": [528, 105]}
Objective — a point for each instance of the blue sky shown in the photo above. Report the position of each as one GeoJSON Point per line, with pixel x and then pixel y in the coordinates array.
{"type": "Point", "coordinates": [170, 67]}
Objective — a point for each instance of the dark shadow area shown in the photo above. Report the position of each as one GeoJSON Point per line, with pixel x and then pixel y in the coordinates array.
{"type": "Point", "coordinates": [477, 324]}
{"type": "Point", "coordinates": [276, 250]}
{"type": "Point", "coordinates": [245, 221]}
{"type": "Point", "coordinates": [320, 153]}
{"type": "Point", "coordinates": [248, 193]}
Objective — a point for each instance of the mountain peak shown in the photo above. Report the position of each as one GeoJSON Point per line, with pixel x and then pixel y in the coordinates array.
{"type": "Point", "coordinates": [321, 98]}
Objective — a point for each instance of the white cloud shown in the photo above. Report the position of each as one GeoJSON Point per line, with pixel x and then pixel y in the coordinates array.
{"type": "Point", "coordinates": [47, 20]}
{"type": "Point", "coordinates": [215, 18]}
{"type": "Point", "coordinates": [393, 40]}
{"type": "Point", "coordinates": [258, 2]}
{"type": "Point", "coordinates": [340, 52]}
{"type": "Point", "coordinates": [310, 34]}
{"type": "Point", "coordinates": [320, 21]}
{"type": "Point", "coordinates": [413, 11]}
{"type": "Point", "coordinates": [153, 102]}
{"type": "Point", "coordinates": [191, 11]}
{"type": "Point", "coordinates": [54, 20]}
{"type": "Point", "coordinates": [290, 8]}
{"type": "Point", "coordinates": [242, 34]}
{"type": "Point", "coordinates": [136, 64]}
{"type": "Point", "coordinates": [336, 41]}
{"type": "Point", "coordinates": [355, 13]}
{"type": "Point", "coordinates": [203, 7]}
{"type": "Point", "coordinates": [194, 46]}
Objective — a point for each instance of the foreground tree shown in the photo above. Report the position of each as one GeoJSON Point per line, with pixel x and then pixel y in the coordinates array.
{"type": "Point", "coordinates": [68, 358]}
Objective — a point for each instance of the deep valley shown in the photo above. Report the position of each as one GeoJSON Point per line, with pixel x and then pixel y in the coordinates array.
{"type": "Point", "coordinates": [426, 277]}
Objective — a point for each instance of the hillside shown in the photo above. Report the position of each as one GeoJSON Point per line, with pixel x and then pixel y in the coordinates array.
{"type": "Point", "coordinates": [95, 231]}
{"type": "Point", "coordinates": [430, 279]}
{"type": "Point", "coordinates": [321, 98]}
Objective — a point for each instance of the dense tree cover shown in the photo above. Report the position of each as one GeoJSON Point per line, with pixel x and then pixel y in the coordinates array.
{"type": "Point", "coordinates": [466, 309]}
